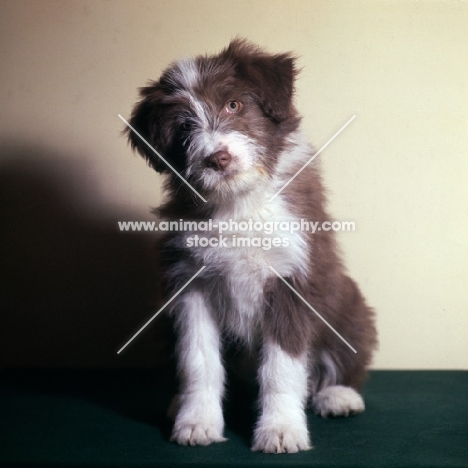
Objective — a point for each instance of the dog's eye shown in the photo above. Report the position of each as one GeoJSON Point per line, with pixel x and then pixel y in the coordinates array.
{"type": "Point", "coordinates": [186, 126]}
{"type": "Point", "coordinates": [233, 107]}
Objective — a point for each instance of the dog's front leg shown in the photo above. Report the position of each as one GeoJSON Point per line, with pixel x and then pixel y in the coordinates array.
{"type": "Point", "coordinates": [283, 373]}
{"type": "Point", "coordinates": [199, 419]}
{"type": "Point", "coordinates": [282, 426]}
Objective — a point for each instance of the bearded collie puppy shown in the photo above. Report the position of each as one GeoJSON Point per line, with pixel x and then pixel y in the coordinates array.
{"type": "Point", "coordinates": [225, 132]}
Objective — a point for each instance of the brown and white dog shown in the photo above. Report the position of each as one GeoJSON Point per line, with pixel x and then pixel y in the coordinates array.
{"type": "Point", "coordinates": [228, 125]}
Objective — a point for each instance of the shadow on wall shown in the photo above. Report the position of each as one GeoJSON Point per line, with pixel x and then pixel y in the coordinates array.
{"type": "Point", "coordinates": [73, 288]}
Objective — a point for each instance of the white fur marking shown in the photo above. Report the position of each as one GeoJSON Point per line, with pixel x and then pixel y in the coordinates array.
{"type": "Point", "coordinates": [282, 427]}
{"type": "Point", "coordinates": [245, 269]}
{"type": "Point", "coordinates": [187, 73]}
{"type": "Point", "coordinates": [199, 420]}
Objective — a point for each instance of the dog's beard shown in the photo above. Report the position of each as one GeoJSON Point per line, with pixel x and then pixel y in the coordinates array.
{"type": "Point", "coordinates": [225, 186]}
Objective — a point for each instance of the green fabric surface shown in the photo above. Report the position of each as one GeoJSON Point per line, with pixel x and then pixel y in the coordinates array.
{"type": "Point", "coordinates": [84, 418]}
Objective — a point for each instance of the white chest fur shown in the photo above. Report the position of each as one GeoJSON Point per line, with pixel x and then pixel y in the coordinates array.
{"type": "Point", "coordinates": [255, 236]}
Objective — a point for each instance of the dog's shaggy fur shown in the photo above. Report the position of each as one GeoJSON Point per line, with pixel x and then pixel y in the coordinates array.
{"type": "Point", "coordinates": [228, 125]}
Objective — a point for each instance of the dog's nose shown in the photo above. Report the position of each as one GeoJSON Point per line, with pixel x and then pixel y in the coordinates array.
{"type": "Point", "coordinates": [219, 160]}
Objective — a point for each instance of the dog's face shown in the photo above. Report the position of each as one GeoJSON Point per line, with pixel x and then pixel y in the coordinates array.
{"type": "Point", "coordinates": [220, 121]}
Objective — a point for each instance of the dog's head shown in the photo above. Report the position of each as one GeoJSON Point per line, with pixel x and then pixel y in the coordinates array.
{"type": "Point", "coordinates": [220, 121]}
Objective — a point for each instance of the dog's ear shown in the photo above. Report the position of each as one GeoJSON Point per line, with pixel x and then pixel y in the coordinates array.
{"type": "Point", "coordinates": [271, 76]}
{"type": "Point", "coordinates": [147, 120]}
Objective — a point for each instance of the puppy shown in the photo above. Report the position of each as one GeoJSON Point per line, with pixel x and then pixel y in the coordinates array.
{"type": "Point", "coordinates": [228, 138]}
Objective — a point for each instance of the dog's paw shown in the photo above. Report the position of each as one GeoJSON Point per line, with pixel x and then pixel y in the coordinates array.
{"type": "Point", "coordinates": [196, 434]}
{"type": "Point", "coordinates": [281, 440]}
{"type": "Point", "coordinates": [197, 422]}
{"type": "Point", "coordinates": [336, 401]}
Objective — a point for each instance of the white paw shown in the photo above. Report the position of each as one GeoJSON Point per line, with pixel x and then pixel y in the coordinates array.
{"type": "Point", "coordinates": [337, 400]}
{"type": "Point", "coordinates": [197, 425]}
{"type": "Point", "coordinates": [196, 434]}
{"type": "Point", "coordinates": [280, 440]}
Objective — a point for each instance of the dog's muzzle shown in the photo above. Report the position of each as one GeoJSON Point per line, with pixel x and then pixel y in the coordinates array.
{"type": "Point", "coordinates": [219, 161]}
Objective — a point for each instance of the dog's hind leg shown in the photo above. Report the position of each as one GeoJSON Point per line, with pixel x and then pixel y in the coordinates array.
{"type": "Point", "coordinates": [337, 400]}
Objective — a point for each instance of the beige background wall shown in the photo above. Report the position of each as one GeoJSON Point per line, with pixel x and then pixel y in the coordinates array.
{"type": "Point", "coordinates": [400, 170]}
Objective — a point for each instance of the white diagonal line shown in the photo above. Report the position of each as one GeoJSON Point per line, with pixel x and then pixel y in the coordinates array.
{"type": "Point", "coordinates": [159, 155]}
{"type": "Point", "coordinates": [310, 307]}
{"type": "Point", "coordinates": [161, 309]}
{"type": "Point", "coordinates": [312, 158]}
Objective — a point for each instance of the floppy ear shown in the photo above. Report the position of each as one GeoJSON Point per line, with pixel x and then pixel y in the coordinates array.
{"type": "Point", "coordinates": [271, 76]}
{"type": "Point", "coordinates": [147, 120]}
